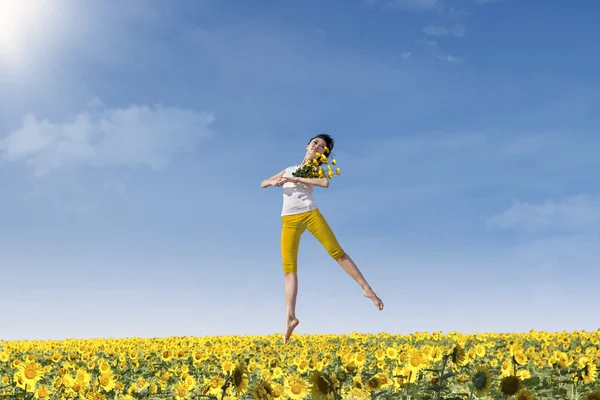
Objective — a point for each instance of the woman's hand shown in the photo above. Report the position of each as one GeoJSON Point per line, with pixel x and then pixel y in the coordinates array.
{"type": "Point", "coordinates": [282, 181]}
{"type": "Point", "coordinates": [272, 180]}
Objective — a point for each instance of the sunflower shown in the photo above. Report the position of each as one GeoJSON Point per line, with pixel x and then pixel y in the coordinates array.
{"type": "Point", "coordinates": [42, 392]}
{"type": "Point", "coordinates": [510, 385]}
{"type": "Point", "coordinates": [277, 390]}
{"type": "Point", "coordinates": [320, 388]}
{"type": "Point", "coordinates": [506, 368]}
{"type": "Point", "coordinates": [277, 373]}
{"type": "Point", "coordinates": [262, 390]}
{"type": "Point", "coordinates": [107, 381]}
{"type": "Point", "coordinates": [391, 352]}
{"type": "Point", "coordinates": [480, 350]}
{"type": "Point", "coordinates": [67, 380]}
{"type": "Point", "coordinates": [458, 355]}
{"type": "Point", "coordinates": [295, 387]}
{"type": "Point", "coordinates": [103, 366]}
{"type": "Point", "coordinates": [357, 382]}
{"type": "Point", "coordinates": [227, 366]}
{"type": "Point", "coordinates": [239, 379]}
{"type": "Point", "coordinates": [373, 383]}
{"type": "Point", "coordinates": [481, 380]}
{"type": "Point", "coordinates": [593, 396]}
{"type": "Point", "coordinates": [166, 355]}
{"type": "Point", "coordinates": [384, 380]}
{"type": "Point", "coordinates": [83, 376]}
{"type": "Point", "coordinates": [95, 396]}
{"type": "Point", "coordinates": [302, 366]}
{"type": "Point", "coordinates": [181, 390]}
{"type": "Point", "coordinates": [588, 370]}
{"type": "Point", "coordinates": [520, 358]}
{"type": "Point", "coordinates": [350, 366]}
{"type": "Point", "coordinates": [360, 358]}
{"type": "Point", "coordinates": [212, 385]}
{"type": "Point", "coordinates": [415, 361]}
{"type": "Point", "coordinates": [524, 395]}
{"type": "Point", "coordinates": [30, 373]}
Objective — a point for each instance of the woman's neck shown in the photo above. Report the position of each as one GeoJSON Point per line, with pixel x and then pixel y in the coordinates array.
{"type": "Point", "coordinates": [307, 158]}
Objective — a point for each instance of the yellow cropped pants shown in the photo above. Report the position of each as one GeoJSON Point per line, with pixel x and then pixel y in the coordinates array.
{"type": "Point", "coordinates": [293, 226]}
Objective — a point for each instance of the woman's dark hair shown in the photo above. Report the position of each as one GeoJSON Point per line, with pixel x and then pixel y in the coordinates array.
{"type": "Point", "coordinates": [329, 142]}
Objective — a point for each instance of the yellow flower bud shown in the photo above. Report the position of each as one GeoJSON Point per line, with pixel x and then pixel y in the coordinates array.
{"type": "Point", "coordinates": [337, 171]}
{"type": "Point", "coordinates": [330, 174]}
{"type": "Point", "coordinates": [334, 162]}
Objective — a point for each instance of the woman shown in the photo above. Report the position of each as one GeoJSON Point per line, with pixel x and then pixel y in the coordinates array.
{"type": "Point", "coordinates": [300, 212]}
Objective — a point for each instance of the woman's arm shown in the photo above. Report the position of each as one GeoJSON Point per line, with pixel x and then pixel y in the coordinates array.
{"type": "Point", "coordinates": [271, 181]}
{"type": "Point", "coordinates": [323, 182]}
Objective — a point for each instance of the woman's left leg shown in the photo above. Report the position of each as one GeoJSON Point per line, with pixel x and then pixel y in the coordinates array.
{"type": "Point", "coordinates": [318, 226]}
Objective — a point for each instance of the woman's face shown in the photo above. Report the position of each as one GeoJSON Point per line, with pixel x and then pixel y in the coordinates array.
{"type": "Point", "coordinates": [316, 145]}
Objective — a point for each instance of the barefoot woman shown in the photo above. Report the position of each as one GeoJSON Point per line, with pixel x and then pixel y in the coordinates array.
{"type": "Point", "coordinates": [299, 213]}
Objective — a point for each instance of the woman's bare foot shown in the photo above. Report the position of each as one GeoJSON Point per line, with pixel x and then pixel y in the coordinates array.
{"type": "Point", "coordinates": [368, 292]}
{"type": "Point", "coordinates": [293, 323]}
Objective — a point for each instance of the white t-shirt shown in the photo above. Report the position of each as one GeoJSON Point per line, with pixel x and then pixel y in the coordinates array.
{"type": "Point", "coordinates": [297, 197]}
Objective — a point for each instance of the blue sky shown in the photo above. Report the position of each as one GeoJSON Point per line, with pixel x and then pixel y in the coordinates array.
{"type": "Point", "coordinates": [134, 136]}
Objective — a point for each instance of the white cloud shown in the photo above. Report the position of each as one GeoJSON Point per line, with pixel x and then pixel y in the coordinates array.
{"type": "Point", "coordinates": [449, 58]}
{"type": "Point", "coordinates": [429, 43]}
{"type": "Point", "coordinates": [416, 5]}
{"type": "Point", "coordinates": [137, 135]}
{"type": "Point", "coordinates": [457, 30]}
{"type": "Point", "coordinates": [573, 214]}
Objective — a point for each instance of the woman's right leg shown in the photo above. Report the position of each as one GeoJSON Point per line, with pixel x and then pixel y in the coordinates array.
{"type": "Point", "coordinates": [291, 292]}
{"type": "Point", "coordinates": [291, 231]}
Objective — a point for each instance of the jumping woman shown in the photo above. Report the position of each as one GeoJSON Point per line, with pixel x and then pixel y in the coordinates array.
{"type": "Point", "coordinates": [300, 212]}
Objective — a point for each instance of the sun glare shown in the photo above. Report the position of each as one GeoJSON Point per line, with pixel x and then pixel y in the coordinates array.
{"type": "Point", "coordinates": [25, 27]}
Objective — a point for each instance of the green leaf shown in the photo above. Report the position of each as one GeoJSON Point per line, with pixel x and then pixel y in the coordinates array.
{"type": "Point", "coordinates": [531, 382]}
{"type": "Point", "coordinates": [410, 385]}
{"type": "Point", "coordinates": [447, 375]}
{"type": "Point", "coordinates": [437, 387]}
{"type": "Point", "coordinates": [456, 398]}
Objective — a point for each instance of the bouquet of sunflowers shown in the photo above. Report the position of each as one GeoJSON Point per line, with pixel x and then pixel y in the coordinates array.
{"type": "Point", "coordinates": [314, 168]}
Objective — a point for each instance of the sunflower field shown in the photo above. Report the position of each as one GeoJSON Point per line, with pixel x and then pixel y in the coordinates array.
{"type": "Point", "coordinates": [534, 365]}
